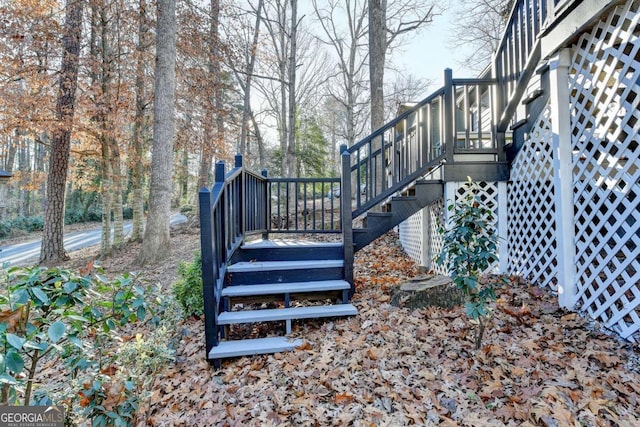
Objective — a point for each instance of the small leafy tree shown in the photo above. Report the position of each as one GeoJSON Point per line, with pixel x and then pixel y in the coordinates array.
{"type": "Point", "coordinates": [470, 247]}
{"type": "Point", "coordinates": [72, 319]}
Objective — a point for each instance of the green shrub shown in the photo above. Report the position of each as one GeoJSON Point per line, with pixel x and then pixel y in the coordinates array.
{"type": "Point", "coordinates": [470, 247]}
{"type": "Point", "coordinates": [77, 320]}
{"type": "Point", "coordinates": [127, 213]}
{"type": "Point", "coordinates": [188, 210]}
{"type": "Point", "coordinates": [73, 216]}
{"type": "Point", "coordinates": [188, 289]}
{"type": "Point", "coordinates": [20, 225]}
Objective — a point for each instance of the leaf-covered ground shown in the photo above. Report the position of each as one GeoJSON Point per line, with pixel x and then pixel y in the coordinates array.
{"type": "Point", "coordinates": [390, 366]}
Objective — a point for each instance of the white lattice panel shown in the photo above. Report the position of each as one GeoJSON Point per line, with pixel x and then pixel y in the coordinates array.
{"type": "Point", "coordinates": [411, 236]}
{"type": "Point", "coordinates": [420, 238]}
{"type": "Point", "coordinates": [605, 98]}
{"type": "Point", "coordinates": [435, 215]}
{"type": "Point", "coordinates": [488, 192]}
{"type": "Point", "coordinates": [531, 209]}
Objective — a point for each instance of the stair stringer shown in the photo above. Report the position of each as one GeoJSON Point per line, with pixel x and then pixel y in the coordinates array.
{"type": "Point", "coordinates": [402, 207]}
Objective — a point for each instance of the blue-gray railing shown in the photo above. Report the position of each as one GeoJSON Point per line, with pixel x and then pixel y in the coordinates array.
{"type": "Point", "coordinates": [234, 207]}
{"type": "Point", "coordinates": [456, 118]}
{"type": "Point", "coordinates": [304, 205]}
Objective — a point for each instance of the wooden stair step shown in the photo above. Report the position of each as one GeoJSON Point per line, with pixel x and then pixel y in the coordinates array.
{"type": "Point", "coordinates": [291, 313]}
{"type": "Point", "coordinates": [266, 244]}
{"type": "Point", "coordinates": [244, 267]}
{"type": "Point", "coordinates": [283, 288]}
{"type": "Point", "coordinates": [253, 346]}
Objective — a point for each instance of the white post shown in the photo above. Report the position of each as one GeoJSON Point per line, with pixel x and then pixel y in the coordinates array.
{"type": "Point", "coordinates": [503, 228]}
{"type": "Point", "coordinates": [563, 177]}
{"type": "Point", "coordinates": [426, 257]}
{"type": "Point", "coordinates": [450, 189]}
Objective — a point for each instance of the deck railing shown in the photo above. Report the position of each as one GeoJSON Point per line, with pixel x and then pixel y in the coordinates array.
{"type": "Point", "coordinates": [457, 118]}
{"type": "Point", "coordinates": [304, 205]}
{"type": "Point", "coordinates": [233, 208]}
{"type": "Point", "coordinates": [519, 43]}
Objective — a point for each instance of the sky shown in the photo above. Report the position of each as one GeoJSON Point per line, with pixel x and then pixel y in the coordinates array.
{"type": "Point", "coordinates": [431, 51]}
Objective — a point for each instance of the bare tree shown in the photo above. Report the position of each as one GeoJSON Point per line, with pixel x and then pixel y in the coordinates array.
{"type": "Point", "coordinates": [274, 75]}
{"type": "Point", "coordinates": [290, 153]}
{"type": "Point", "coordinates": [156, 243]}
{"type": "Point", "coordinates": [214, 116]}
{"type": "Point", "coordinates": [244, 72]}
{"type": "Point", "coordinates": [52, 249]}
{"type": "Point", "coordinates": [478, 25]}
{"type": "Point", "coordinates": [389, 22]}
{"type": "Point", "coordinates": [139, 124]}
{"type": "Point", "coordinates": [405, 88]}
{"type": "Point", "coordinates": [344, 24]}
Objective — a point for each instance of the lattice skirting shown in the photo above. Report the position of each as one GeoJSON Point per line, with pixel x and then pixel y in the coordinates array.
{"type": "Point", "coordinates": [411, 236]}
{"type": "Point", "coordinates": [419, 234]}
{"type": "Point", "coordinates": [420, 238]}
{"type": "Point", "coordinates": [531, 209]}
{"type": "Point", "coordinates": [605, 118]}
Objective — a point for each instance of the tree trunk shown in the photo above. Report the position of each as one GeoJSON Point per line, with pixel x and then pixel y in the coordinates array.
{"type": "Point", "coordinates": [377, 54]}
{"type": "Point", "coordinates": [118, 219]}
{"type": "Point", "coordinates": [105, 236]}
{"type": "Point", "coordinates": [105, 118]}
{"type": "Point", "coordinates": [138, 129]}
{"type": "Point", "coordinates": [156, 244]}
{"type": "Point", "coordinates": [246, 110]}
{"type": "Point", "coordinates": [52, 249]}
{"type": "Point", "coordinates": [184, 177]}
{"type": "Point", "coordinates": [291, 143]}
{"type": "Point", "coordinates": [213, 100]}
{"type": "Point", "coordinates": [282, 69]}
{"type": "Point", "coordinates": [262, 158]}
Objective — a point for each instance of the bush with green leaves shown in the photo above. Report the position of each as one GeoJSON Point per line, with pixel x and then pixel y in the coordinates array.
{"type": "Point", "coordinates": [75, 321]}
{"type": "Point", "coordinates": [188, 289]}
{"type": "Point", "coordinates": [20, 225]}
{"type": "Point", "coordinates": [470, 247]}
{"type": "Point", "coordinates": [188, 210]}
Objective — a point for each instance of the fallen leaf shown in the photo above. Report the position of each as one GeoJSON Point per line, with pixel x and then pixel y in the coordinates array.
{"type": "Point", "coordinates": [342, 398]}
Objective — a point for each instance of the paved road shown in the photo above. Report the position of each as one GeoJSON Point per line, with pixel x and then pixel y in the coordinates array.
{"type": "Point", "coordinates": [30, 251]}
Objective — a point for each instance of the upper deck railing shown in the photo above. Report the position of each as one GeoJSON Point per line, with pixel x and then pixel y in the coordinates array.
{"type": "Point", "coordinates": [518, 53]}
{"type": "Point", "coordinates": [519, 43]}
{"type": "Point", "coordinates": [457, 118]}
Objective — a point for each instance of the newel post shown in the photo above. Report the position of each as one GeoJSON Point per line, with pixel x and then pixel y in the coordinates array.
{"type": "Point", "coordinates": [449, 114]}
{"type": "Point", "coordinates": [207, 251]}
{"type": "Point", "coordinates": [240, 214]}
{"type": "Point", "coordinates": [345, 213]}
{"type": "Point", "coordinates": [267, 204]}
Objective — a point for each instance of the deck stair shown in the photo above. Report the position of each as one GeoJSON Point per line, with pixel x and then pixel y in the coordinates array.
{"type": "Point", "coordinates": [397, 209]}
{"type": "Point", "coordinates": [384, 179]}
{"type": "Point", "coordinates": [280, 281]}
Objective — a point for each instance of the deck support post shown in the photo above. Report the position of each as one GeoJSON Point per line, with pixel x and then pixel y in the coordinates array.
{"type": "Point", "coordinates": [563, 176]}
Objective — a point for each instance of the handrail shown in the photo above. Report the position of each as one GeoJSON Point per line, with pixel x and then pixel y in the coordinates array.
{"type": "Point", "coordinates": [235, 206]}
{"type": "Point", "coordinates": [455, 118]}
{"type": "Point", "coordinates": [518, 48]}
{"type": "Point", "coordinates": [395, 121]}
